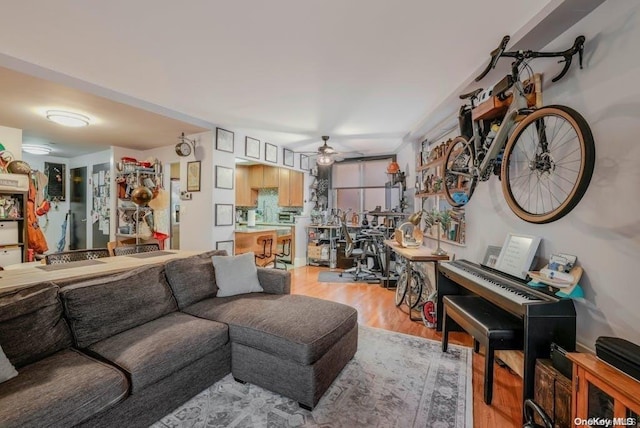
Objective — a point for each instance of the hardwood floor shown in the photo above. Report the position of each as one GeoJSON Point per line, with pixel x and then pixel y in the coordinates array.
{"type": "Point", "coordinates": [376, 308]}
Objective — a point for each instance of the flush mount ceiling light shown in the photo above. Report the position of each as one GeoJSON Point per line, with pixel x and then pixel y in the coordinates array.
{"type": "Point", "coordinates": [35, 149]}
{"type": "Point", "coordinates": [67, 118]}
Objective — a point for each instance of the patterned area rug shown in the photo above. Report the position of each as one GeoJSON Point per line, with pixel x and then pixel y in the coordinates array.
{"type": "Point", "coordinates": [394, 380]}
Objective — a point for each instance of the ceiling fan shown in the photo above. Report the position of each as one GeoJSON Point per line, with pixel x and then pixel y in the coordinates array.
{"type": "Point", "coordinates": [326, 155]}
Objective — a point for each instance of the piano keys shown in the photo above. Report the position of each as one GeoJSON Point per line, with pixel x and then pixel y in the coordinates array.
{"type": "Point", "coordinates": [546, 318]}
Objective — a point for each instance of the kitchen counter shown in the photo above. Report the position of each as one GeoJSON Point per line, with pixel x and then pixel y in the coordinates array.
{"type": "Point", "coordinates": [262, 223]}
{"type": "Point", "coordinates": [261, 229]}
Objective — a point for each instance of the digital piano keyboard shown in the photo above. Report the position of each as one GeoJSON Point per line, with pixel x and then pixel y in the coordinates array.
{"type": "Point", "coordinates": [546, 318]}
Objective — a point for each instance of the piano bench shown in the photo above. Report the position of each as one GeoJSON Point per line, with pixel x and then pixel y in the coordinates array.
{"type": "Point", "coordinates": [488, 324]}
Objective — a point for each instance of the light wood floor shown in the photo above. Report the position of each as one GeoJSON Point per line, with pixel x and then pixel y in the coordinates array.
{"type": "Point", "coordinates": [376, 308]}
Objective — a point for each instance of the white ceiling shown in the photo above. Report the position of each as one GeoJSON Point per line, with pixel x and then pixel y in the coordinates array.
{"type": "Point", "coordinates": [366, 72]}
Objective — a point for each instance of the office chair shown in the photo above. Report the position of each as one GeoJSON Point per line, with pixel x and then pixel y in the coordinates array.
{"type": "Point", "coordinates": [358, 271]}
{"type": "Point", "coordinates": [75, 255]}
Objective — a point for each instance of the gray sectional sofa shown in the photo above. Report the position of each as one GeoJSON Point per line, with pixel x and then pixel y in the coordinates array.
{"type": "Point", "coordinates": [126, 349]}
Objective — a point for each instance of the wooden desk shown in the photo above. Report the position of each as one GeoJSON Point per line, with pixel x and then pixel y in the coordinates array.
{"type": "Point", "coordinates": [14, 279]}
{"type": "Point", "coordinates": [417, 254]}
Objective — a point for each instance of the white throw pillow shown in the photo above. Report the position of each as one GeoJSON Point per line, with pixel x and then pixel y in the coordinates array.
{"type": "Point", "coordinates": [236, 275]}
{"type": "Point", "coordinates": [7, 371]}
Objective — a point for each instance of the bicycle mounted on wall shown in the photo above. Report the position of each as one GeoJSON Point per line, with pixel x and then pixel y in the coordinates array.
{"type": "Point", "coordinates": [543, 156]}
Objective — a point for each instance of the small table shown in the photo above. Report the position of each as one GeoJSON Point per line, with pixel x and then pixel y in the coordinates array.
{"type": "Point", "coordinates": [417, 254]}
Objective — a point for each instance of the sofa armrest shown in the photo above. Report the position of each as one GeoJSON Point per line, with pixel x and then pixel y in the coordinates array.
{"type": "Point", "coordinates": [275, 281]}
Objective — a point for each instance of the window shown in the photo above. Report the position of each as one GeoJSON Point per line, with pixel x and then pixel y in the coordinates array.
{"type": "Point", "coordinates": [363, 185]}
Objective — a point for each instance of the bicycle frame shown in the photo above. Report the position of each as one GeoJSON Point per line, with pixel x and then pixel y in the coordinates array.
{"type": "Point", "coordinates": [518, 103]}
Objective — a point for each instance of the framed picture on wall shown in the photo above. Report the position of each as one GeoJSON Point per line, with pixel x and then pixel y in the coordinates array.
{"type": "Point", "coordinates": [225, 245]}
{"type": "Point", "coordinates": [56, 182]}
{"type": "Point", "coordinates": [304, 162]}
{"type": "Point", "coordinates": [193, 176]}
{"type": "Point", "coordinates": [287, 157]}
{"type": "Point", "coordinates": [224, 177]}
{"type": "Point", "coordinates": [251, 148]}
{"type": "Point", "coordinates": [224, 215]}
{"type": "Point", "coordinates": [270, 153]}
{"type": "Point", "coordinates": [224, 140]}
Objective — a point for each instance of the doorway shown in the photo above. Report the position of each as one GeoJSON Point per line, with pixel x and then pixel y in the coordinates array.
{"type": "Point", "coordinates": [78, 209]}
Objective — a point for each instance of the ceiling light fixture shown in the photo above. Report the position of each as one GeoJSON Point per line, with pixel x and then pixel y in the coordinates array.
{"type": "Point", "coordinates": [36, 150]}
{"type": "Point", "coordinates": [67, 118]}
{"type": "Point", "coordinates": [324, 160]}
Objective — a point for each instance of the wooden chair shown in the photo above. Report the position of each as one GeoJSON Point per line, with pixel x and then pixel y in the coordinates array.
{"type": "Point", "coordinates": [126, 250]}
{"type": "Point", "coordinates": [75, 255]}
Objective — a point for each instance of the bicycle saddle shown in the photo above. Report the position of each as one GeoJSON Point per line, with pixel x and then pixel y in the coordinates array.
{"type": "Point", "coordinates": [472, 94]}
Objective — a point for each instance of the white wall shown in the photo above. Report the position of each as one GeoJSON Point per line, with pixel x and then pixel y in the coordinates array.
{"type": "Point", "coordinates": [51, 224]}
{"type": "Point", "coordinates": [603, 230]}
{"type": "Point", "coordinates": [11, 139]}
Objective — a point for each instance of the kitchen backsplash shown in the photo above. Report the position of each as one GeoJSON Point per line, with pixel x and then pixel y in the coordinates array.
{"type": "Point", "coordinates": [268, 209]}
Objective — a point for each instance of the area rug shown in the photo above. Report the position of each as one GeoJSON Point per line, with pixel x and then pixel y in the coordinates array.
{"type": "Point", "coordinates": [335, 277]}
{"type": "Point", "coordinates": [394, 380]}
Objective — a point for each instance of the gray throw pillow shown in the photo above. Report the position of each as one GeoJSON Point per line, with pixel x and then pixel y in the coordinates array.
{"type": "Point", "coordinates": [7, 371]}
{"type": "Point", "coordinates": [236, 275]}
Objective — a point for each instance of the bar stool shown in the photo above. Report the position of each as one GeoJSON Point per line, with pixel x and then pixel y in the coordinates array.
{"type": "Point", "coordinates": [285, 242]}
{"type": "Point", "coordinates": [262, 259]}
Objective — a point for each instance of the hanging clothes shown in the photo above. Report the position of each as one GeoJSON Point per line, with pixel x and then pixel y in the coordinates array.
{"type": "Point", "coordinates": [35, 238]}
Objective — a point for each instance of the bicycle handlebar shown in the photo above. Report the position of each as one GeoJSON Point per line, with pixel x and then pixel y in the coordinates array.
{"type": "Point", "coordinates": [495, 56]}
{"type": "Point", "coordinates": [577, 48]}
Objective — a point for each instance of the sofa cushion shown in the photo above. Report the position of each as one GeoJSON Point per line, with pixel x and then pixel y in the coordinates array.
{"type": "Point", "coordinates": [7, 371]}
{"type": "Point", "coordinates": [298, 328]}
{"type": "Point", "coordinates": [100, 308]}
{"type": "Point", "coordinates": [159, 348]}
{"type": "Point", "coordinates": [61, 390]}
{"type": "Point", "coordinates": [193, 278]}
{"type": "Point", "coordinates": [236, 274]}
{"type": "Point", "coordinates": [32, 325]}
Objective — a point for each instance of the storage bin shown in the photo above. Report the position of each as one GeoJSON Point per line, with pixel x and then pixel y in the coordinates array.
{"type": "Point", "coordinates": [10, 256]}
{"type": "Point", "coordinates": [314, 251]}
{"type": "Point", "coordinates": [9, 233]}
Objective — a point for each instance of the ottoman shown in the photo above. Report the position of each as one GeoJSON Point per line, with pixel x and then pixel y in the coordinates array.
{"type": "Point", "coordinates": [293, 345]}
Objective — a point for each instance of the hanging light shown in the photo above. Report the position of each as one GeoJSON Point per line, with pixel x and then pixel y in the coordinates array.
{"type": "Point", "coordinates": [67, 118]}
{"type": "Point", "coordinates": [324, 160]}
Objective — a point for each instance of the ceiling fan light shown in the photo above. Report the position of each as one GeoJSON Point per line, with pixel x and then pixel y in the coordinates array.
{"type": "Point", "coordinates": [67, 118]}
{"type": "Point", "coordinates": [324, 160]}
{"type": "Point", "coordinates": [35, 149]}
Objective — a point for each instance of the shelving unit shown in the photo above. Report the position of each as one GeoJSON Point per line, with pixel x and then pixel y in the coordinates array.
{"type": "Point", "coordinates": [322, 242]}
{"type": "Point", "coordinates": [430, 174]}
{"type": "Point", "coordinates": [130, 215]}
{"type": "Point", "coordinates": [13, 232]}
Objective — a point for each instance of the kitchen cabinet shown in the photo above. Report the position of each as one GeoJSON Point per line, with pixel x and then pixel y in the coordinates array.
{"type": "Point", "coordinates": [600, 391]}
{"type": "Point", "coordinates": [291, 188]}
{"type": "Point", "coordinates": [263, 176]}
{"type": "Point", "coordinates": [245, 195]}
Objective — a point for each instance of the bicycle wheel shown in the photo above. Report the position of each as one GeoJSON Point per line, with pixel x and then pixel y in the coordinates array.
{"type": "Point", "coordinates": [414, 290]}
{"type": "Point", "coordinates": [547, 164]}
{"type": "Point", "coordinates": [401, 287]}
{"type": "Point", "coordinates": [459, 181]}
